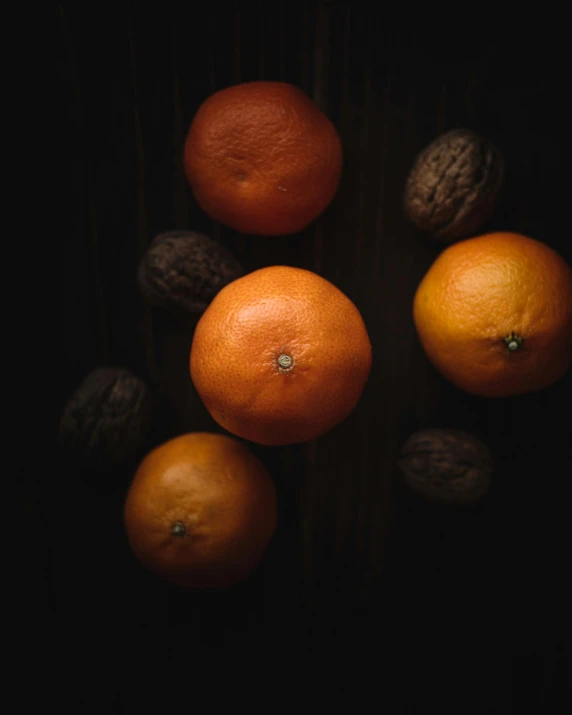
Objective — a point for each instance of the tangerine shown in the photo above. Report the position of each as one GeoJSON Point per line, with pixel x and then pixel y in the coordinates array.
{"type": "Point", "coordinates": [280, 356]}
{"type": "Point", "coordinates": [200, 511]}
{"type": "Point", "coordinates": [494, 314]}
{"type": "Point", "coordinates": [262, 158]}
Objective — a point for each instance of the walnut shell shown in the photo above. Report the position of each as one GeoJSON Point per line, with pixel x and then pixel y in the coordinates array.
{"type": "Point", "coordinates": [184, 270]}
{"type": "Point", "coordinates": [106, 420]}
{"type": "Point", "coordinates": [446, 465]}
{"type": "Point", "coordinates": [454, 185]}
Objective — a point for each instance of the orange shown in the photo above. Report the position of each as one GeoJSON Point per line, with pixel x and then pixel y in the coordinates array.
{"type": "Point", "coordinates": [261, 158]}
{"type": "Point", "coordinates": [200, 511]}
{"type": "Point", "coordinates": [494, 314]}
{"type": "Point", "coordinates": [280, 356]}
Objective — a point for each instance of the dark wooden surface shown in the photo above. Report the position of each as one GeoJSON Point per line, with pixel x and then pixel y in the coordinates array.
{"type": "Point", "coordinates": [365, 588]}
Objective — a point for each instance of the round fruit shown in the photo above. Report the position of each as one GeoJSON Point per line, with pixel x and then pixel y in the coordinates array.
{"type": "Point", "coordinates": [200, 511]}
{"type": "Point", "coordinates": [494, 315]}
{"type": "Point", "coordinates": [261, 158]}
{"type": "Point", "coordinates": [280, 356]}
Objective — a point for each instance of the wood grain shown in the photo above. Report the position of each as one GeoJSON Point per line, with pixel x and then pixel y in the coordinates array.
{"type": "Point", "coordinates": [443, 601]}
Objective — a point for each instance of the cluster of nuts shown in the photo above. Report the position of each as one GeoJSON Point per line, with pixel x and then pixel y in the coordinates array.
{"type": "Point", "coordinates": [106, 420]}
{"type": "Point", "coordinates": [452, 188]}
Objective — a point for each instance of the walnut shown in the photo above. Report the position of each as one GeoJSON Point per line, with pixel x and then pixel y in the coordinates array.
{"type": "Point", "coordinates": [446, 465]}
{"type": "Point", "coordinates": [454, 185]}
{"type": "Point", "coordinates": [106, 420]}
{"type": "Point", "coordinates": [184, 270]}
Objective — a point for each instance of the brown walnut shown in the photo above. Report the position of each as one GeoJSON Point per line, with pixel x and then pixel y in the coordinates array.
{"type": "Point", "coordinates": [184, 270]}
{"type": "Point", "coordinates": [446, 465]}
{"type": "Point", "coordinates": [106, 420]}
{"type": "Point", "coordinates": [454, 185]}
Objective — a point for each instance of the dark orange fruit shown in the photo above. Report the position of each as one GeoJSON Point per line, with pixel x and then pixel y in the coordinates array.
{"type": "Point", "coordinates": [200, 511]}
{"type": "Point", "coordinates": [262, 158]}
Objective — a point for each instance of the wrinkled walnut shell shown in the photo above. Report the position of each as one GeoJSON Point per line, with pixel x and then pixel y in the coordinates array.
{"type": "Point", "coordinates": [454, 184]}
{"type": "Point", "coordinates": [184, 270]}
{"type": "Point", "coordinates": [446, 465]}
{"type": "Point", "coordinates": [106, 420]}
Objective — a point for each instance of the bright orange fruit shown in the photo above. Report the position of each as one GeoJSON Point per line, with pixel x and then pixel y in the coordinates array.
{"type": "Point", "coordinates": [280, 356]}
{"type": "Point", "coordinates": [494, 314]}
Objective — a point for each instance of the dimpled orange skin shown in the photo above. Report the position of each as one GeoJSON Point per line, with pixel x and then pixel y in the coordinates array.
{"type": "Point", "coordinates": [261, 158]}
{"type": "Point", "coordinates": [218, 499]}
{"type": "Point", "coordinates": [238, 343]}
{"type": "Point", "coordinates": [480, 291]}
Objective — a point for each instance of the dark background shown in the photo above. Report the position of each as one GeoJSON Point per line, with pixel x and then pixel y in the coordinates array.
{"type": "Point", "coordinates": [365, 590]}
